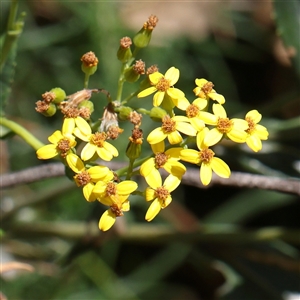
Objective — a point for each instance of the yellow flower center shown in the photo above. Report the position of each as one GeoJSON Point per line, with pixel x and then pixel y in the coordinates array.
{"type": "Point", "coordinates": [168, 125]}
{"type": "Point", "coordinates": [207, 87]}
{"type": "Point", "coordinates": [82, 178]}
{"type": "Point", "coordinates": [163, 84]}
{"type": "Point", "coordinates": [116, 210]}
{"type": "Point", "coordinates": [251, 125]}
{"type": "Point", "coordinates": [111, 189]}
{"type": "Point", "coordinates": [206, 155]}
{"type": "Point", "coordinates": [98, 138]}
{"type": "Point", "coordinates": [224, 125]}
{"type": "Point", "coordinates": [162, 194]}
{"type": "Point", "coordinates": [63, 146]}
{"type": "Point", "coordinates": [160, 159]}
{"type": "Point", "coordinates": [192, 111]}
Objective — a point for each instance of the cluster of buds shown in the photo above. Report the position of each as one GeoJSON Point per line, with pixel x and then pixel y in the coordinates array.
{"type": "Point", "coordinates": [169, 141]}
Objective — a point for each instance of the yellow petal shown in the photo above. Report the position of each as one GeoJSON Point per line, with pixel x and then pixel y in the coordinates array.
{"type": "Point", "coordinates": [153, 210]}
{"type": "Point", "coordinates": [77, 132]}
{"type": "Point", "coordinates": [212, 137]}
{"type": "Point", "coordinates": [175, 168]}
{"type": "Point", "coordinates": [147, 92]}
{"type": "Point", "coordinates": [126, 187]}
{"type": "Point", "coordinates": [88, 151]}
{"type": "Point", "coordinates": [100, 188]}
{"type": "Point", "coordinates": [200, 82]}
{"type": "Point", "coordinates": [181, 103]}
{"type": "Point", "coordinates": [201, 103]}
{"type": "Point", "coordinates": [240, 124]}
{"type": "Point", "coordinates": [68, 126]}
{"type": "Point", "coordinates": [126, 206]}
{"type": "Point", "coordinates": [155, 136]}
{"type": "Point", "coordinates": [171, 183]}
{"type": "Point", "coordinates": [238, 136]}
{"type": "Point", "coordinates": [149, 194]}
{"type": "Point", "coordinates": [254, 143]}
{"type": "Point", "coordinates": [174, 138]}
{"type": "Point", "coordinates": [174, 152]}
{"type": "Point", "coordinates": [155, 77]}
{"type": "Point", "coordinates": [88, 192]}
{"type": "Point", "coordinates": [219, 110]}
{"type": "Point", "coordinates": [104, 154]}
{"type": "Point", "coordinates": [147, 167]}
{"type": "Point", "coordinates": [83, 125]}
{"type": "Point", "coordinates": [205, 174]}
{"type": "Point", "coordinates": [112, 149]}
{"type": "Point", "coordinates": [159, 147]}
{"type": "Point", "coordinates": [158, 98]}
{"type": "Point", "coordinates": [173, 75]}
{"type": "Point", "coordinates": [254, 115]}
{"type": "Point", "coordinates": [200, 138]}
{"type": "Point", "coordinates": [107, 220]}
{"type": "Point", "coordinates": [186, 128]}
{"type": "Point", "coordinates": [208, 118]}
{"type": "Point", "coordinates": [197, 123]}
{"type": "Point", "coordinates": [75, 163]}
{"type": "Point", "coordinates": [99, 172]}
{"type": "Point", "coordinates": [47, 151]}
{"type": "Point", "coordinates": [217, 97]}
{"type": "Point", "coordinates": [220, 167]}
{"type": "Point", "coordinates": [55, 137]}
{"type": "Point", "coordinates": [154, 179]}
{"type": "Point", "coordinates": [190, 155]}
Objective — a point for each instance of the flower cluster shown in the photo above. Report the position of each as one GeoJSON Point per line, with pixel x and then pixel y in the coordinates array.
{"type": "Point", "coordinates": [81, 144]}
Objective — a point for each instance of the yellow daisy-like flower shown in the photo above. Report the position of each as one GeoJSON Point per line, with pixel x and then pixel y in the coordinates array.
{"type": "Point", "coordinates": [87, 177]}
{"type": "Point", "coordinates": [159, 193]}
{"type": "Point", "coordinates": [62, 143]}
{"type": "Point", "coordinates": [255, 131]}
{"type": "Point", "coordinates": [170, 129]}
{"type": "Point", "coordinates": [168, 160]}
{"type": "Point", "coordinates": [234, 129]}
{"type": "Point", "coordinates": [193, 113]}
{"type": "Point", "coordinates": [96, 143]}
{"type": "Point", "coordinates": [206, 159]}
{"type": "Point", "coordinates": [163, 87]}
{"type": "Point", "coordinates": [116, 196]}
{"type": "Point", "coordinates": [204, 90]}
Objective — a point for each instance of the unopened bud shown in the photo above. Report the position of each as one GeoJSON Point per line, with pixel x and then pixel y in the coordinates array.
{"type": "Point", "coordinates": [124, 52]}
{"type": "Point", "coordinates": [157, 113]}
{"type": "Point", "coordinates": [60, 95]}
{"type": "Point", "coordinates": [89, 63]}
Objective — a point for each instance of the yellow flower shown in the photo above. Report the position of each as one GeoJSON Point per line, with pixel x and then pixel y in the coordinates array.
{"type": "Point", "coordinates": [61, 144]}
{"type": "Point", "coordinates": [163, 85]}
{"type": "Point", "coordinates": [170, 129]}
{"type": "Point", "coordinates": [205, 159]}
{"type": "Point", "coordinates": [255, 131]}
{"type": "Point", "coordinates": [159, 193]}
{"type": "Point", "coordinates": [168, 160]}
{"type": "Point", "coordinates": [86, 178]}
{"type": "Point", "coordinates": [193, 113]}
{"type": "Point", "coordinates": [96, 143]}
{"type": "Point", "coordinates": [234, 129]}
{"type": "Point", "coordinates": [204, 90]}
{"type": "Point", "coordinates": [114, 195]}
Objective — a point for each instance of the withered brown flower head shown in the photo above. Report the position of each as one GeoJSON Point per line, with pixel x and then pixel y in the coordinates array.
{"type": "Point", "coordinates": [152, 69]}
{"type": "Point", "coordinates": [135, 118]}
{"type": "Point", "coordinates": [125, 42]}
{"type": "Point", "coordinates": [139, 67]}
{"type": "Point", "coordinates": [151, 23]}
{"type": "Point", "coordinates": [89, 59]}
{"type": "Point", "coordinates": [41, 106]}
{"type": "Point", "coordinates": [48, 97]}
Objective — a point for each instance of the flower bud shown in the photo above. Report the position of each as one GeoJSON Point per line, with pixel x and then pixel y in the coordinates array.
{"type": "Point", "coordinates": [131, 75]}
{"type": "Point", "coordinates": [133, 150]}
{"type": "Point", "coordinates": [60, 95]}
{"type": "Point", "coordinates": [124, 112]}
{"type": "Point", "coordinates": [157, 113]}
{"type": "Point", "coordinates": [124, 52]}
{"type": "Point", "coordinates": [89, 63]}
{"type": "Point", "coordinates": [46, 109]}
{"type": "Point", "coordinates": [87, 104]}
{"type": "Point", "coordinates": [143, 37]}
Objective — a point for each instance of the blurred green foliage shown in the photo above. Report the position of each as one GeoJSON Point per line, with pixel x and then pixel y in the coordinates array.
{"type": "Point", "coordinates": [246, 71]}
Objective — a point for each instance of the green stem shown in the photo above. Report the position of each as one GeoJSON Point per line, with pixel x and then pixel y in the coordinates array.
{"type": "Point", "coordinates": [22, 132]}
{"type": "Point", "coordinates": [86, 80]}
{"type": "Point", "coordinates": [14, 29]}
{"type": "Point", "coordinates": [130, 169]}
